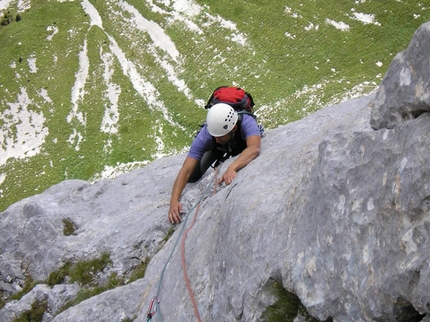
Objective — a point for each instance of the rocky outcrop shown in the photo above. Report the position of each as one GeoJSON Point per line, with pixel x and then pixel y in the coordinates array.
{"type": "Point", "coordinates": [404, 93]}
{"type": "Point", "coordinates": [333, 210]}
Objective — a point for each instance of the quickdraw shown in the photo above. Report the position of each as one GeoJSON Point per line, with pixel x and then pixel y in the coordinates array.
{"type": "Point", "coordinates": [152, 308]}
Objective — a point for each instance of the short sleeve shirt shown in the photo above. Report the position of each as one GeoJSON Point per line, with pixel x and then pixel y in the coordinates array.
{"type": "Point", "coordinates": [205, 142]}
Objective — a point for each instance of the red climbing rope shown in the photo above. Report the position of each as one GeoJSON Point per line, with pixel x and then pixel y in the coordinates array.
{"type": "Point", "coordinates": [184, 268]}
{"type": "Point", "coordinates": [184, 265]}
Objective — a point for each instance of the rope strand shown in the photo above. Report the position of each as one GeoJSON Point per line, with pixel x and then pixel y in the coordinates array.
{"type": "Point", "coordinates": [184, 268]}
{"type": "Point", "coordinates": [177, 240]}
{"type": "Point", "coordinates": [184, 264]}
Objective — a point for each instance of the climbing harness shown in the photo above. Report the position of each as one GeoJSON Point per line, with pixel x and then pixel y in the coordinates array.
{"type": "Point", "coordinates": [155, 302]}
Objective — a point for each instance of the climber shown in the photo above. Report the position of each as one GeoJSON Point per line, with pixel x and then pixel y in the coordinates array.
{"type": "Point", "coordinates": [226, 133]}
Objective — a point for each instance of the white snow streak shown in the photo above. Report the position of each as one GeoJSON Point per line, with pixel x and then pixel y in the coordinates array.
{"type": "Point", "coordinates": [157, 34]}
{"type": "Point", "coordinates": [54, 30]}
{"type": "Point", "coordinates": [290, 12]}
{"type": "Point", "coordinates": [77, 95]}
{"type": "Point", "coordinates": [76, 139]}
{"type": "Point", "coordinates": [24, 5]}
{"type": "Point", "coordinates": [4, 4]}
{"type": "Point", "coordinates": [365, 18]}
{"type": "Point", "coordinates": [145, 89]}
{"type": "Point", "coordinates": [111, 115]}
{"type": "Point", "coordinates": [338, 25]}
{"type": "Point", "coordinates": [78, 89]}
{"type": "Point", "coordinates": [110, 172]}
{"type": "Point", "coordinates": [96, 20]}
{"type": "Point", "coordinates": [44, 94]}
{"type": "Point", "coordinates": [184, 10]}
{"type": "Point", "coordinates": [32, 63]}
{"type": "Point", "coordinates": [142, 87]}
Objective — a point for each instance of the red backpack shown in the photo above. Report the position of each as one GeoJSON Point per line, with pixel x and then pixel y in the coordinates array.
{"type": "Point", "coordinates": [236, 97]}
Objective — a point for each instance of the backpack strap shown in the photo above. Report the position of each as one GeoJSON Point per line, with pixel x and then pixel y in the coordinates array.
{"type": "Point", "coordinates": [250, 99]}
{"type": "Point", "coordinates": [240, 114]}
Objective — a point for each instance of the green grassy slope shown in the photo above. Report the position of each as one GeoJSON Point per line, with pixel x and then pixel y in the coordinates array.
{"type": "Point", "coordinates": [88, 86]}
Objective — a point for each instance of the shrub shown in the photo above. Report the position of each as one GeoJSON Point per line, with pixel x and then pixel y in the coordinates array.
{"type": "Point", "coordinates": [58, 276]}
{"type": "Point", "coordinates": [287, 307]}
{"type": "Point", "coordinates": [84, 272]}
{"type": "Point", "coordinates": [139, 271]}
{"type": "Point", "coordinates": [7, 19]}
{"type": "Point", "coordinates": [87, 293]}
{"type": "Point", "coordinates": [69, 227]}
{"type": "Point", "coordinates": [28, 286]}
{"type": "Point", "coordinates": [35, 314]}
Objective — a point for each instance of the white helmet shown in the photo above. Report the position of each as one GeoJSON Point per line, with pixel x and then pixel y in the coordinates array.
{"type": "Point", "coordinates": [221, 119]}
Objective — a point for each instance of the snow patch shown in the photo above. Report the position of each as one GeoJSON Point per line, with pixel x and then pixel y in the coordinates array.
{"type": "Point", "coordinates": [173, 78]}
{"type": "Point", "coordinates": [44, 94]}
{"type": "Point", "coordinates": [313, 97]}
{"type": "Point", "coordinates": [365, 18]}
{"type": "Point", "coordinates": [157, 34]}
{"type": "Point", "coordinates": [77, 95]}
{"type": "Point", "coordinates": [288, 35]}
{"type": "Point", "coordinates": [22, 132]}
{"type": "Point", "coordinates": [24, 5]}
{"type": "Point", "coordinates": [291, 13]}
{"type": "Point", "coordinates": [338, 25]}
{"type": "Point", "coordinates": [96, 20]}
{"type": "Point", "coordinates": [356, 92]}
{"type": "Point", "coordinates": [54, 30]}
{"type": "Point", "coordinates": [32, 63]}
{"type": "Point", "coordinates": [311, 26]}
{"type": "Point", "coordinates": [4, 4]}
{"type": "Point", "coordinates": [183, 11]}
{"type": "Point", "coordinates": [145, 89]}
{"type": "Point", "coordinates": [75, 139]}
{"type": "Point", "coordinates": [112, 172]}
{"type": "Point", "coordinates": [78, 89]}
{"type": "Point", "coordinates": [187, 7]}
{"type": "Point", "coordinates": [237, 36]}
{"type": "Point", "coordinates": [111, 114]}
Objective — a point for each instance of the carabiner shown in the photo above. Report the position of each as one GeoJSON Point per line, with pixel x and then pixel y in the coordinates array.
{"type": "Point", "coordinates": [153, 307]}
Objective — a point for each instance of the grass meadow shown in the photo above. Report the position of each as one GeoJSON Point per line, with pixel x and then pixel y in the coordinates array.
{"type": "Point", "coordinates": [92, 88]}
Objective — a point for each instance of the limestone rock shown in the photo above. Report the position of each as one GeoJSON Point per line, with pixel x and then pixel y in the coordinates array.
{"type": "Point", "coordinates": [404, 92]}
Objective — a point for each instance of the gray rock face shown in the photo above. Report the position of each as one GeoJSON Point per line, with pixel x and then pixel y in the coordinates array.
{"type": "Point", "coordinates": [404, 92]}
{"type": "Point", "coordinates": [335, 211]}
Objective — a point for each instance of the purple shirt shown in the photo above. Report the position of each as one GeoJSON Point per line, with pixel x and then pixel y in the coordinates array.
{"type": "Point", "coordinates": [205, 142]}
